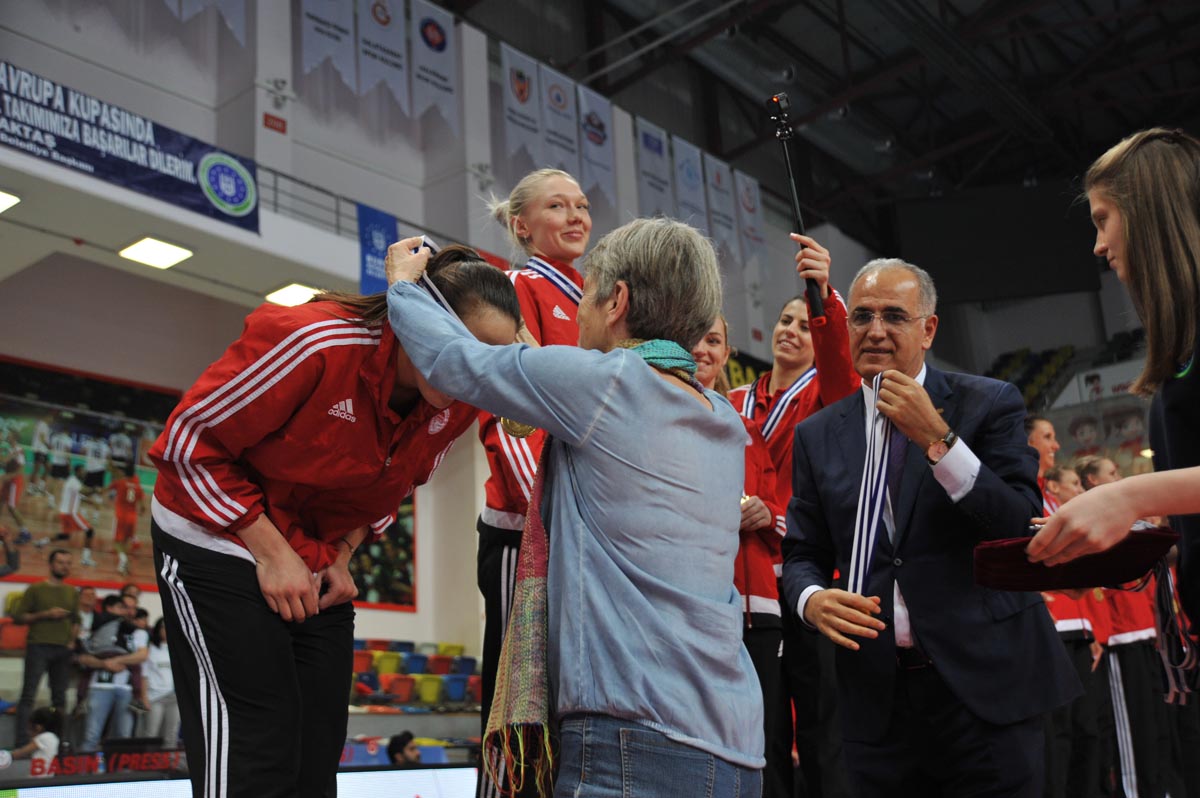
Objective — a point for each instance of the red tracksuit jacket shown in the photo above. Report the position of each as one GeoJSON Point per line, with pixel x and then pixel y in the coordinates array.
{"type": "Point", "coordinates": [834, 379]}
{"type": "Point", "coordinates": [759, 549]}
{"type": "Point", "coordinates": [549, 293]}
{"type": "Point", "coordinates": [293, 421]}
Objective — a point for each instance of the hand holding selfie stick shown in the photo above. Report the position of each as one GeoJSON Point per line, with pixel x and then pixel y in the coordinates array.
{"type": "Point", "coordinates": [777, 107]}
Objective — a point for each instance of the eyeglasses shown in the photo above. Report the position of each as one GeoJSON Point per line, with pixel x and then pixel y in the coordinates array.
{"type": "Point", "coordinates": [892, 319]}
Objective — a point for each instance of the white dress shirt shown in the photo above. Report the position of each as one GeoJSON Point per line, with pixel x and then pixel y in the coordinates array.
{"type": "Point", "coordinates": [956, 473]}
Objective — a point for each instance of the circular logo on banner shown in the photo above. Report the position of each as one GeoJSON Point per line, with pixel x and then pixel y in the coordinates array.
{"type": "Point", "coordinates": [557, 96]}
{"type": "Point", "coordinates": [379, 11]}
{"type": "Point", "coordinates": [593, 128]}
{"type": "Point", "coordinates": [228, 185]}
{"type": "Point", "coordinates": [433, 34]}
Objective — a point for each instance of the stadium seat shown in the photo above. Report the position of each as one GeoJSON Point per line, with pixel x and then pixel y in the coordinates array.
{"type": "Point", "coordinates": [414, 663]}
{"type": "Point", "coordinates": [378, 645]}
{"type": "Point", "coordinates": [433, 754]}
{"type": "Point", "coordinates": [363, 661]}
{"type": "Point", "coordinates": [398, 685]}
{"type": "Point", "coordinates": [359, 645]}
{"type": "Point", "coordinates": [403, 646]}
{"type": "Point", "coordinates": [451, 649]}
{"type": "Point", "coordinates": [387, 662]}
{"type": "Point", "coordinates": [456, 687]}
{"type": "Point", "coordinates": [439, 663]}
{"type": "Point", "coordinates": [11, 601]}
{"type": "Point", "coordinates": [465, 665]}
{"type": "Point", "coordinates": [12, 635]}
{"type": "Point", "coordinates": [427, 648]}
{"type": "Point", "coordinates": [429, 688]}
{"type": "Point", "coordinates": [368, 679]}
{"type": "Point", "coordinates": [475, 688]}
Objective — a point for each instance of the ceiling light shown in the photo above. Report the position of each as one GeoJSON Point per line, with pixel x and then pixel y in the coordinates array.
{"type": "Point", "coordinates": [152, 252]}
{"type": "Point", "coordinates": [292, 295]}
{"type": "Point", "coordinates": [7, 200]}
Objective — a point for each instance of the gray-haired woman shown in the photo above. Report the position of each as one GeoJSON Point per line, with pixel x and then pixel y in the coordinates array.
{"type": "Point", "coordinates": [651, 684]}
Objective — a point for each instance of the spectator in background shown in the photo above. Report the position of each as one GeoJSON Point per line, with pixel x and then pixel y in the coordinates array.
{"type": "Point", "coordinates": [49, 609]}
{"type": "Point", "coordinates": [109, 689]}
{"type": "Point", "coordinates": [403, 751]}
{"type": "Point", "coordinates": [87, 612]}
{"type": "Point", "coordinates": [45, 725]}
{"type": "Point", "coordinates": [61, 444]}
{"type": "Point", "coordinates": [1041, 436]}
{"type": "Point", "coordinates": [163, 718]}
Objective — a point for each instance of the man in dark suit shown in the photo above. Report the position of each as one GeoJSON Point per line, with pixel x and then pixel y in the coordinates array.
{"type": "Point", "coordinates": [941, 682]}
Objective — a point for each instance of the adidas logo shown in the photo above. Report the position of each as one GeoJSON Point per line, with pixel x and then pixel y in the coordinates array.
{"type": "Point", "coordinates": [560, 314]}
{"type": "Point", "coordinates": [344, 409]}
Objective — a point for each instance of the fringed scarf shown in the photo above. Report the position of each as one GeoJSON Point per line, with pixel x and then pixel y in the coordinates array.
{"type": "Point", "coordinates": [519, 744]}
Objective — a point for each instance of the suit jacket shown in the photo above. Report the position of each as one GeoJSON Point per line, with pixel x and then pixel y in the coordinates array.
{"type": "Point", "coordinates": [996, 650]}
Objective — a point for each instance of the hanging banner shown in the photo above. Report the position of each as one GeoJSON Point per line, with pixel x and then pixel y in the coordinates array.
{"type": "Point", "coordinates": [691, 205]}
{"type": "Point", "coordinates": [234, 14]}
{"type": "Point", "coordinates": [377, 231]}
{"type": "Point", "coordinates": [522, 101]}
{"type": "Point", "coordinates": [50, 121]}
{"type": "Point", "coordinates": [655, 197]}
{"type": "Point", "coordinates": [751, 226]}
{"type": "Point", "coordinates": [434, 63]}
{"type": "Point", "coordinates": [722, 209]}
{"type": "Point", "coordinates": [560, 120]}
{"type": "Point", "coordinates": [597, 160]}
{"type": "Point", "coordinates": [173, 7]}
{"type": "Point", "coordinates": [383, 48]}
{"type": "Point", "coordinates": [327, 31]}
{"type": "Point", "coordinates": [751, 232]}
{"type": "Point", "coordinates": [190, 8]}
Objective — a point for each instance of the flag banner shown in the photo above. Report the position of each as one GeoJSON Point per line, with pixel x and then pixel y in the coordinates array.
{"type": "Point", "coordinates": [55, 123]}
{"type": "Point", "coordinates": [522, 101]}
{"type": "Point", "coordinates": [751, 231]}
{"type": "Point", "coordinates": [435, 81]}
{"type": "Point", "coordinates": [655, 197]}
{"type": "Point", "coordinates": [377, 231]}
{"type": "Point", "coordinates": [383, 48]}
{"type": "Point", "coordinates": [597, 161]}
{"type": "Point", "coordinates": [722, 210]}
{"type": "Point", "coordinates": [690, 203]}
{"type": "Point", "coordinates": [560, 120]}
{"type": "Point", "coordinates": [327, 31]}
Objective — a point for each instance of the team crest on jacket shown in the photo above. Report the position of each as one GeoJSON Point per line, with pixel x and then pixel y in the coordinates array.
{"type": "Point", "coordinates": [439, 422]}
{"type": "Point", "coordinates": [559, 313]}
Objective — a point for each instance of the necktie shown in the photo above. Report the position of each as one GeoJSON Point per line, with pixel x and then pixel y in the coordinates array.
{"type": "Point", "coordinates": [897, 448]}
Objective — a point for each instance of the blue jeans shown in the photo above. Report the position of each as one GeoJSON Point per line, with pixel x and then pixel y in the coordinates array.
{"type": "Point", "coordinates": [606, 757]}
{"type": "Point", "coordinates": [105, 702]}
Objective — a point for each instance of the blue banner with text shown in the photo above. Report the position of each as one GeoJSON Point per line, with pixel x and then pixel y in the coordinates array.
{"type": "Point", "coordinates": [56, 123]}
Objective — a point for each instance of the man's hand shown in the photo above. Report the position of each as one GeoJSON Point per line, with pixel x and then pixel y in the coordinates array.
{"type": "Point", "coordinates": [837, 613]}
{"type": "Point", "coordinates": [906, 403]}
{"type": "Point", "coordinates": [755, 515]}
{"type": "Point", "coordinates": [812, 262]}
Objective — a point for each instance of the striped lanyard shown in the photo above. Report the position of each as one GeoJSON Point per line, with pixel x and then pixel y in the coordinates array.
{"type": "Point", "coordinates": [872, 496]}
{"type": "Point", "coordinates": [776, 413]}
{"type": "Point", "coordinates": [557, 278]}
{"type": "Point", "coordinates": [428, 285]}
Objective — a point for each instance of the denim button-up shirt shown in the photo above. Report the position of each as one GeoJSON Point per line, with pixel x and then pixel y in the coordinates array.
{"type": "Point", "coordinates": [641, 505]}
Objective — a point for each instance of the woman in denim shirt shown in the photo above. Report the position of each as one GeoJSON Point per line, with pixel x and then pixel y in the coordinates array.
{"type": "Point", "coordinates": [651, 687]}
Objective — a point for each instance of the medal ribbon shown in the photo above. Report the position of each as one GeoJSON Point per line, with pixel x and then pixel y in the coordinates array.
{"type": "Point", "coordinates": [872, 495]}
